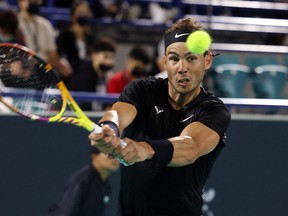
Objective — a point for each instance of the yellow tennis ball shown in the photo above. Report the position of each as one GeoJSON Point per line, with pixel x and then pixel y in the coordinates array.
{"type": "Point", "coordinates": [198, 42]}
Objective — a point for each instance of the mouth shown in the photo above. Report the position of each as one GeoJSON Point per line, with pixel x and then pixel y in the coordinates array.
{"type": "Point", "coordinates": [184, 81]}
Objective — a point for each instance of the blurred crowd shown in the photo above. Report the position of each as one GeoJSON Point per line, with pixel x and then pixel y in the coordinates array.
{"type": "Point", "coordinates": [84, 60]}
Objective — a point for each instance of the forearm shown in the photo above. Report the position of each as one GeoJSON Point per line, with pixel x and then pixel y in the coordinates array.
{"type": "Point", "coordinates": [186, 151]}
{"type": "Point", "coordinates": [181, 150]}
{"type": "Point", "coordinates": [195, 141]}
{"type": "Point", "coordinates": [110, 115]}
{"type": "Point", "coordinates": [177, 151]}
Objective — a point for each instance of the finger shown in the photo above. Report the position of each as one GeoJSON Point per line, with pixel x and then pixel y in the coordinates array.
{"type": "Point", "coordinates": [108, 131]}
{"type": "Point", "coordinates": [130, 157]}
{"type": "Point", "coordinates": [120, 150]}
{"type": "Point", "coordinates": [95, 137]}
{"type": "Point", "coordinates": [128, 162]}
{"type": "Point", "coordinates": [127, 156]}
{"type": "Point", "coordinates": [113, 141]}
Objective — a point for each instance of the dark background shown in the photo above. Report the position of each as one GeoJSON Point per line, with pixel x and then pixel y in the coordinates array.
{"type": "Point", "coordinates": [36, 158]}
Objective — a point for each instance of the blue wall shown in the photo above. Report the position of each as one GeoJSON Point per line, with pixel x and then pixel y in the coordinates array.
{"type": "Point", "coordinates": [250, 178]}
{"type": "Point", "coordinates": [36, 159]}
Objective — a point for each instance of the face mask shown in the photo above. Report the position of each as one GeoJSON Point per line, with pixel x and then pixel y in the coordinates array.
{"type": "Point", "coordinates": [104, 68]}
{"type": "Point", "coordinates": [83, 20]}
{"type": "Point", "coordinates": [137, 72]}
{"type": "Point", "coordinates": [33, 8]}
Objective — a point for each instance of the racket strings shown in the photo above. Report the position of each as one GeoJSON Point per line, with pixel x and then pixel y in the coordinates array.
{"type": "Point", "coordinates": [25, 78]}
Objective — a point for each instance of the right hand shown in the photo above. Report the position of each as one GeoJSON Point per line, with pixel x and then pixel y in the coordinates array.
{"type": "Point", "coordinates": [105, 141]}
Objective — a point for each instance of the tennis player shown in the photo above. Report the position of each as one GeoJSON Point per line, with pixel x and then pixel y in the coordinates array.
{"type": "Point", "coordinates": [174, 130]}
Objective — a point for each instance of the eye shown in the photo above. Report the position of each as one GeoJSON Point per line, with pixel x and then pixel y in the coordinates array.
{"type": "Point", "coordinates": [191, 58]}
{"type": "Point", "coordinates": [173, 58]}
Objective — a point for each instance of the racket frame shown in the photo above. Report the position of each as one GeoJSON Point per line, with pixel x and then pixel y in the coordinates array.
{"type": "Point", "coordinates": [80, 120]}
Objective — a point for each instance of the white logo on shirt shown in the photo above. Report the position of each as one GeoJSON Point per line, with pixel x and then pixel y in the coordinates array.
{"type": "Point", "coordinates": [158, 109]}
{"type": "Point", "coordinates": [186, 119]}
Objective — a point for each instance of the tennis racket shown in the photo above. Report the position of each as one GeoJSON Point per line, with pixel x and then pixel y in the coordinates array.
{"type": "Point", "coordinates": [30, 87]}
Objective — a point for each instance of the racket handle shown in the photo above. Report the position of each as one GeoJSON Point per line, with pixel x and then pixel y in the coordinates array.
{"type": "Point", "coordinates": [97, 129]}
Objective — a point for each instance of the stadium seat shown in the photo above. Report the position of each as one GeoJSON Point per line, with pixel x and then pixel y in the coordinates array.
{"type": "Point", "coordinates": [256, 60]}
{"type": "Point", "coordinates": [226, 58]}
{"type": "Point", "coordinates": [269, 81]}
{"type": "Point", "coordinates": [229, 80]}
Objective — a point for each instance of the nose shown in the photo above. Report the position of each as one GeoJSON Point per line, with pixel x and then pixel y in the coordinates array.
{"type": "Point", "coordinates": [182, 66]}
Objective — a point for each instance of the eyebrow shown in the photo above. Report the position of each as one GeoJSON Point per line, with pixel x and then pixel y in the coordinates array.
{"type": "Point", "coordinates": [174, 53]}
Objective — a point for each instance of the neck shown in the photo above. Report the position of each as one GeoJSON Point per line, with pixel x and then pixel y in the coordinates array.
{"type": "Point", "coordinates": [26, 15]}
{"type": "Point", "coordinates": [178, 100]}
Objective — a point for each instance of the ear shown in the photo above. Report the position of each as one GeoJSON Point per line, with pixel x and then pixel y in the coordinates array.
{"type": "Point", "coordinates": [164, 61]}
{"type": "Point", "coordinates": [208, 60]}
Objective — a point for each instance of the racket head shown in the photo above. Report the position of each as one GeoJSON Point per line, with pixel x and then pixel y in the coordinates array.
{"type": "Point", "coordinates": [30, 87]}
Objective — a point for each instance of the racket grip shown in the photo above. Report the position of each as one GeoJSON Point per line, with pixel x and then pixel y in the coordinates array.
{"type": "Point", "coordinates": [97, 129]}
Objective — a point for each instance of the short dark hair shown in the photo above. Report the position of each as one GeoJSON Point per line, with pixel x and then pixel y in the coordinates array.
{"type": "Point", "coordinates": [9, 21]}
{"type": "Point", "coordinates": [140, 54]}
{"type": "Point", "coordinates": [104, 44]}
{"type": "Point", "coordinates": [180, 31]}
{"type": "Point", "coordinates": [187, 24]}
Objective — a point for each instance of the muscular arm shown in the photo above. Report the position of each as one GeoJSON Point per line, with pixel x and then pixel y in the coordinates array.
{"type": "Point", "coordinates": [195, 141]}
{"type": "Point", "coordinates": [121, 114]}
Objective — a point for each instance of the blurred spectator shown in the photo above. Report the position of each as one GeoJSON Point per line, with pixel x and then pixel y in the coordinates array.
{"type": "Point", "coordinates": [39, 35]}
{"type": "Point", "coordinates": [99, 8]}
{"type": "Point", "coordinates": [103, 8]}
{"type": "Point", "coordinates": [74, 43]}
{"type": "Point", "coordinates": [9, 28]}
{"type": "Point", "coordinates": [93, 74]}
{"type": "Point", "coordinates": [158, 68]}
{"type": "Point", "coordinates": [135, 67]}
{"type": "Point", "coordinates": [160, 15]}
{"type": "Point", "coordinates": [88, 190]}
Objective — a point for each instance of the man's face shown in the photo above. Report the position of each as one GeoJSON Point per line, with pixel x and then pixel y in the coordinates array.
{"type": "Point", "coordinates": [185, 69]}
